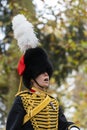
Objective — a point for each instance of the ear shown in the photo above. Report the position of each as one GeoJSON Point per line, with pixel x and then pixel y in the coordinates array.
{"type": "Point", "coordinates": [32, 81]}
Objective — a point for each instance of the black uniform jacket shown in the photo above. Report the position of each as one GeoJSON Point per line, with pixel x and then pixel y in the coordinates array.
{"type": "Point", "coordinates": [16, 115]}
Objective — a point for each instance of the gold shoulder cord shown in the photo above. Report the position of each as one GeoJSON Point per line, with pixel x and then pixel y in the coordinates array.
{"type": "Point", "coordinates": [20, 84]}
{"type": "Point", "coordinates": [42, 114]}
{"type": "Point", "coordinates": [20, 87]}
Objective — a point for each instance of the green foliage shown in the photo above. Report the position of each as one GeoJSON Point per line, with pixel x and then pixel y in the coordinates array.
{"type": "Point", "coordinates": [64, 38]}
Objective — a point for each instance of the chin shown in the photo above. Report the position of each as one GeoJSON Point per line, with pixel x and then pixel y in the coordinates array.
{"type": "Point", "coordinates": [47, 86]}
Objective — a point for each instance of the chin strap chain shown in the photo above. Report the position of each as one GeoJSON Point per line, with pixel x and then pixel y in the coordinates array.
{"type": "Point", "coordinates": [39, 85]}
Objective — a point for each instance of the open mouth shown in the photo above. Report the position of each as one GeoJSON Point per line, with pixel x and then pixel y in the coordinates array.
{"type": "Point", "coordinates": [46, 79]}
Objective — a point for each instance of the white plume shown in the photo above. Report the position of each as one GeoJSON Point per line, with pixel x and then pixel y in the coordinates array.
{"type": "Point", "coordinates": [24, 33]}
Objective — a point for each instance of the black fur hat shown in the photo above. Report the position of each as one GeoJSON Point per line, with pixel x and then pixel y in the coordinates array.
{"type": "Point", "coordinates": [36, 61]}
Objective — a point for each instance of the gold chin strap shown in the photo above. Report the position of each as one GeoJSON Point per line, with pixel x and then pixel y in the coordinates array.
{"type": "Point", "coordinates": [20, 85]}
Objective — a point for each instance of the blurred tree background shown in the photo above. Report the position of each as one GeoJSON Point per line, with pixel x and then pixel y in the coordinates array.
{"type": "Point", "coordinates": [61, 27]}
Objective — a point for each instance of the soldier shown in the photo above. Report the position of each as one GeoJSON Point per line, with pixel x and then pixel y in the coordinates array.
{"type": "Point", "coordinates": [34, 108]}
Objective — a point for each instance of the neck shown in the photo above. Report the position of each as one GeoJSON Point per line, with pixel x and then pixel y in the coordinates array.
{"type": "Point", "coordinates": [39, 87]}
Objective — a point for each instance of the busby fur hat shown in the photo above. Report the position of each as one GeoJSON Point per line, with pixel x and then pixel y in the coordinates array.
{"type": "Point", "coordinates": [35, 59]}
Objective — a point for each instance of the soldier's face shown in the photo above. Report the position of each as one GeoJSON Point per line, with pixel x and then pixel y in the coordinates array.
{"type": "Point", "coordinates": [42, 80]}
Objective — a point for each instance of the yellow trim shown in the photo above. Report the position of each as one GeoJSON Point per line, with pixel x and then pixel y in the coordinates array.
{"type": "Point", "coordinates": [20, 84]}
{"type": "Point", "coordinates": [71, 126]}
{"type": "Point", "coordinates": [21, 92]}
{"type": "Point", "coordinates": [37, 109]}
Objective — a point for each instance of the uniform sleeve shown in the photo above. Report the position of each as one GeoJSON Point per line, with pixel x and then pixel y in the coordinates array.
{"type": "Point", "coordinates": [15, 117]}
{"type": "Point", "coordinates": [63, 124]}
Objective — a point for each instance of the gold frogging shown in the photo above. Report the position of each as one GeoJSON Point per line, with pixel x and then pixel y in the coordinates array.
{"type": "Point", "coordinates": [47, 118]}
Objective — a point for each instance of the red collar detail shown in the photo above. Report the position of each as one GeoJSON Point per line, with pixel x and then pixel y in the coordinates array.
{"type": "Point", "coordinates": [32, 90]}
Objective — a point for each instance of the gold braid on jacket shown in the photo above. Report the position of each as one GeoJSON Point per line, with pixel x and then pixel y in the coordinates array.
{"type": "Point", "coordinates": [47, 118]}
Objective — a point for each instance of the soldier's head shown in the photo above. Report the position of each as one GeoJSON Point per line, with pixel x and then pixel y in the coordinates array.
{"type": "Point", "coordinates": [36, 62]}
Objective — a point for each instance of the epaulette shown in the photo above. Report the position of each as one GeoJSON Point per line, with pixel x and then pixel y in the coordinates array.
{"type": "Point", "coordinates": [22, 92]}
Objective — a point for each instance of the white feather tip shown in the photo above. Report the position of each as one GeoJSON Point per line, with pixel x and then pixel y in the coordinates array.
{"type": "Point", "coordinates": [24, 33]}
